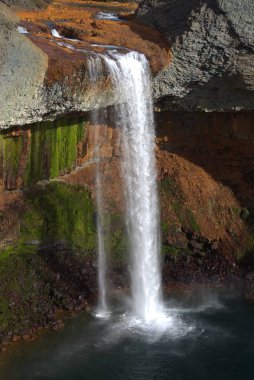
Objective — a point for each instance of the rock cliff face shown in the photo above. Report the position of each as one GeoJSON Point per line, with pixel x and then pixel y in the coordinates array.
{"type": "Point", "coordinates": [44, 77]}
{"type": "Point", "coordinates": [40, 81]}
{"type": "Point", "coordinates": [212, 42]}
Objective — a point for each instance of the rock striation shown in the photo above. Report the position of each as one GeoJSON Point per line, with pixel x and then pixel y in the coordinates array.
{"type": "Point", "coordinates": [212, 43]}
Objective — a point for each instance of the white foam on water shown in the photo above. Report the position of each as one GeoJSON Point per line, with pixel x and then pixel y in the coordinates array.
{"type": "Point", "coordinates": [68, 46]}
{"type": "Point", "coordinates": [55, 33]}
{"type": "Point", "coordinates": [105, 46]}
{"type": "Point", "coordinates": [170, 327]}
{"type": "Point", "coordinates": [22, 30]}
{"type": "Point", "coordinates": [107, 16]}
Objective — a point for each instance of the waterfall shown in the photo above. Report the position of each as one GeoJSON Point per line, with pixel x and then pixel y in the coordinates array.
{"type": "Point", "coordinates": [130, 75]}
{"type": "Point", "coordinates": [95, 69]}
{"type": "Point", "coordinates": [103, 310]}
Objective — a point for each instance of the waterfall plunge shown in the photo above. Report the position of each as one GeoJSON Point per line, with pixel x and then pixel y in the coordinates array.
{"type": "Point", "coordinates": [130, 75]}
{"type": "Point", "coordinates": [131, 78]}
{"type": "Point", "coordinates": [95, 69]}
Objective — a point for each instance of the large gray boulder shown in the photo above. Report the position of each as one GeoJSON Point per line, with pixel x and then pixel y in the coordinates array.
{"type": "Point", "coordinates": [212, 42]}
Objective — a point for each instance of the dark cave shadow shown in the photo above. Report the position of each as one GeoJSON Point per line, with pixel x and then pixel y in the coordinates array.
{"type": "Point", "coordinates": [220, 143]}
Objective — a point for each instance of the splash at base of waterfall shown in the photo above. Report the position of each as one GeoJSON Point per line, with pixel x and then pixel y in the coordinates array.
{"type": "Point", "coordinates": [161, 324]}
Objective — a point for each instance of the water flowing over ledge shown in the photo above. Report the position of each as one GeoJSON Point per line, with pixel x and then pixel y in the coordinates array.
{"type": "Point", "coordinates": [130, 76]}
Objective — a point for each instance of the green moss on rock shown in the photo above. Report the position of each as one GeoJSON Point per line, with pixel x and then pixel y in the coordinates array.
{"type": "Point", "coordinates": [53, 148]}
{"type": "Point", "coordinates": [35, 274]}
{"type": "Point", "coordinates": [60, 212]}
{"type": "Point", "coordinates": [55, 212]}
{"type": "Point", "coordinates": [24, 300]}
{"type": "Point", "coordinates": [116, 242]}
{"type": "Point", "coordinates": [41, 151]}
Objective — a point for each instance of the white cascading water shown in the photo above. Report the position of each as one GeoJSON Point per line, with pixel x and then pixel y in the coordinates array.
{"type": "Point", "coordinates": [130, 75]}
{"type": "Point", "coordinates": [55, 33]}
{"type": "Point", "coordinates": [103, 310]}
{"type": "Point", "coordinates": [22, 30]}
{"type": "Point", "coordinates": [95, 69]}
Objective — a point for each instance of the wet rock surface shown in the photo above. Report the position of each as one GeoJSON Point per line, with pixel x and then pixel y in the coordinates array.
{"type": "Point", "coordinates": [212, 44]}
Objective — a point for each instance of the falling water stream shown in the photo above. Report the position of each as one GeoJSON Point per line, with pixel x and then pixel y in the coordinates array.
{"type": "Point", "coordinates": [131, 79]}
{"type": "Point", "coordinates": [130, 76]}
{"type": "Point", "coordinates": [95, 69]}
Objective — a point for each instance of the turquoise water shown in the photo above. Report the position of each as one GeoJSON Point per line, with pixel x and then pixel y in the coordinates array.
{"type": "Point", "coordinates": [211, 337]}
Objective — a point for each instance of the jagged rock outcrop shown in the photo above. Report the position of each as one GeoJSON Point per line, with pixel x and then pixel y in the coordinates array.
{"type": "Point", "coordinates": [212, 43]}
